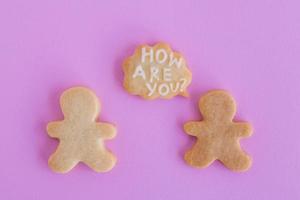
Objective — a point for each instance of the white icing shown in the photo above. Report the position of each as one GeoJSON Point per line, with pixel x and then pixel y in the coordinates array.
{"type": "Point", "coordinates": [183, 81]}
{"type": "Point", "coordinates": [146, 53]}
{"type": "Point", "coordinates": [164, 72]}
{"type": "Point", "coordinates": [161, 56]}
{"type": "Point", "coordinates": [176, 87]}
{"type": "Point", "coordinates": [163, 89]}
{"type": "Point", "coordinates": [151, 89]}
{"type": "Point", "coordinates": [154, 73]}
{"type": "Point", "coordinates": [167, 75]}
{"type": "Point", "coordinates": [173, 60]}
{"type": "Point", "coordinates": [139, 71]}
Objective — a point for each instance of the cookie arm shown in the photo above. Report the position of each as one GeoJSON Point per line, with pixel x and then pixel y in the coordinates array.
{"type": "Point", "coordinates": [53, 129]}
{"type": "Point", "coordinates": [193, 128]}
{"type": "Point", "coordinates": [242, 129]}
{"type": "Point", "coordinates": [106, 130]}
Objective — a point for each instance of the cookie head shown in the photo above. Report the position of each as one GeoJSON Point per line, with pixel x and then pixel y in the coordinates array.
{"type": "Point", "coordinates": [218, 106]}
{"type": "Point", "coordinates": [79, 103]}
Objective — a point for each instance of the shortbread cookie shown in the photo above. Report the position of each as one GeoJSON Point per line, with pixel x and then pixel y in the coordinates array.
{"type": "Point", "coordinates": [217, 135]}
{"type": "Point", "coordinates": [81, 138]}
{"type": "Point", "coordinates": [157, 71]}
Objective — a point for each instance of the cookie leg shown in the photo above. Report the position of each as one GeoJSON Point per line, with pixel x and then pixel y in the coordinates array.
{"type": "Point", "coordinates": [236, 161]}
{"type": "Point", "coordinates": [61, 162]}
{"type": "Point", "coordinates": [199, 157]}
{"type": "Point", "coordinates": [101, 161]}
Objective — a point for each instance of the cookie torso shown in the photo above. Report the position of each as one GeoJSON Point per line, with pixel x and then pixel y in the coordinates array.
{"type": "Point", "coordinates": [77, 137]}
{"type": "Point", "coordinates": [217, 137]}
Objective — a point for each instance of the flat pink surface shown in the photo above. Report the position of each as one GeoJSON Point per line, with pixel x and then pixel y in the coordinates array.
{"type": "Point", "coordinates": [250, 48]}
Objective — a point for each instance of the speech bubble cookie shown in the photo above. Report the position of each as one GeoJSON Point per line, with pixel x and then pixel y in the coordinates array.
{"type": "Point", "coordinates": [156, 72]}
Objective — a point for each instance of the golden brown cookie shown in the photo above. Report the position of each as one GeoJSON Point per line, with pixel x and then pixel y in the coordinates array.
{"type": "Point", "coordinates": [156, 72]}
{"type": "Point", "coordinates": [217, 135]}
{"type": "Point", "coordinates": [81, 138]}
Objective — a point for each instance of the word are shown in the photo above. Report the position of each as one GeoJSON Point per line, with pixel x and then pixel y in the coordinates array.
{"type": "Point", "coordinates": [154, 73]}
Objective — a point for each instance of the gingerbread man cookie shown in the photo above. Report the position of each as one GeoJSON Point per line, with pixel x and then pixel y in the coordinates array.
{"type": "Point", "coordinates": [156, 72]}
{"type": "Point", "coordinates": [81, 138]}
{"type": "Point", "coordinates": [217, 135]}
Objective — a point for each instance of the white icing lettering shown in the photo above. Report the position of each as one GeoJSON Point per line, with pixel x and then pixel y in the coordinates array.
{"type": "Point", "coordinates": [139, 72]}
{"type": "Point", "coordinates": [183, 82]}
{"type": "Point", "coordinates": [173, 60]}
{"type": "Point", "coordinates": [146, 53]}
{"type": "Point", "coordinates": [161, 56]}
{"type": "Point", "coordinates": [176, 87]}
{"type": "Point", "coordinates": [163, 89]}
{"type": "Point", "coordinates": [167, 75]}
{"type": "Point", "coordinates": [151, 89]}
{"type": "Point", "coordinates": [154, 71]}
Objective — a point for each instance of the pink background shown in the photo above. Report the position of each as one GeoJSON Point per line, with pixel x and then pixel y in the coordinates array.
{"type": "Point", "coordinates": [250, 48]}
